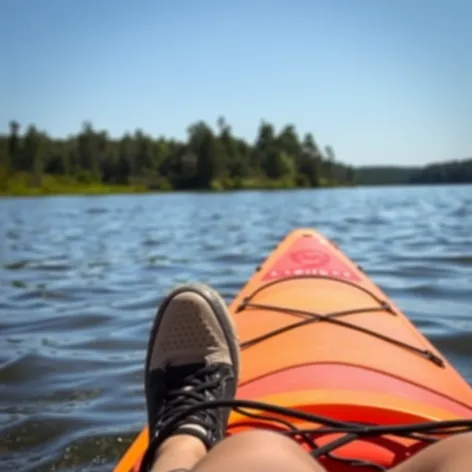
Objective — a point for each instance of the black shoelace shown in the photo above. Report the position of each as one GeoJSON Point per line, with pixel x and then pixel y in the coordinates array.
{"type": "Point", "coordinates": [196, 390]}
{"type": "Point", "coordinates": [382, 306]}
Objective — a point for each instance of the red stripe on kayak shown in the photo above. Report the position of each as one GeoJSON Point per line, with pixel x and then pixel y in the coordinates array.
{"type": "Point", "coordinates": [346, 377]}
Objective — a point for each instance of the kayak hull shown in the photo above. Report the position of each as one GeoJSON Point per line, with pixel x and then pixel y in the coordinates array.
{"type": "Point", "coordinates": [319, 336]}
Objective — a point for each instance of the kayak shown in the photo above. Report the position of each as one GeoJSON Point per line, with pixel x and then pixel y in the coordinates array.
{"type": "Point", "coordinates": [326, 351]}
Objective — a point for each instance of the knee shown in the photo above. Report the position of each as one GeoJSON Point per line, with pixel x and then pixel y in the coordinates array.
{"type": "Point", "coordinates": [263, 450]}
{"type": "Point", "coordinates": [264, 442]}
{"type": "Point", "coordinates": [448, 454]}
{"type": "Point", "coordinates": [260, 437]}
{"type": "Point", "coordinates": [460, 443]}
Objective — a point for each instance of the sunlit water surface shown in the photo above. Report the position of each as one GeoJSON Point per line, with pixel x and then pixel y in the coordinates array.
{"type": "Point", "coordinates": [80, 278]}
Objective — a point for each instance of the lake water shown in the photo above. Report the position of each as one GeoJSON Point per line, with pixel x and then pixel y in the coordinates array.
{"type": "Point", "coordinates": [80, 278]}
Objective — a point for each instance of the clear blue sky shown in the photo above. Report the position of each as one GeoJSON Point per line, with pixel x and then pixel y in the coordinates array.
{"type": "Point", "coordinates": [381, 81]}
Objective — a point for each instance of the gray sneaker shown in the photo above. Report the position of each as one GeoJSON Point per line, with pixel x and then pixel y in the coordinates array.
{"type": "Point", "coordinates": [192, 357]}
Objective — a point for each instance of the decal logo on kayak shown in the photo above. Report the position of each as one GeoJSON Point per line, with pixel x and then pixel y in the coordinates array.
{"type": "Point", "coordinates": [311, 256]}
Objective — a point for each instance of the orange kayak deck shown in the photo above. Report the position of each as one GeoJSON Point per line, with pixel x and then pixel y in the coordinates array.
{"type": "Point", "coordinates": [317, 335]}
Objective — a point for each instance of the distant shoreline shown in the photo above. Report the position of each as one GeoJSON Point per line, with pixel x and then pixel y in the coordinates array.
{"type": "Point", "coordinates": [51, 186]}
{"type": "Point", "coordinates": [78, 189]}
{"type": "Point", "coordinates": [91, 163]}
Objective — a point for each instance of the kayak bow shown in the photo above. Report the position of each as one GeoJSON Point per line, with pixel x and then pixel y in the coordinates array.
{"type": "Point", "coordinates": [319, 337]}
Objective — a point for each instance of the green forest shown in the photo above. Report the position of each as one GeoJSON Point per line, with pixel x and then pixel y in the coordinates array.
{"type": "Point", "coordinates": [449, 172]}
{"type": "Point", "coordinates": [212, 158]}
{"type": "Point", "coordinates": [31, 162]}
{"type": "Point", "coordinates": [459, 172]}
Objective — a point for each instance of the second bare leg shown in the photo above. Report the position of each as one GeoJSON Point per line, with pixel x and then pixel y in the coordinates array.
{"type": "Point", "coordinates": [453, 454]}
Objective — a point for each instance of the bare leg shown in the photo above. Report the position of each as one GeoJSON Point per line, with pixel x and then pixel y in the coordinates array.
{"type": "Point", "coordinates": [453, 454]}
{"type": "Point", "coordinates": [261, 451]}
{"type": "Point", "coordinates": [254, 451]}
{"type": "Point", "coordinates": [258, 451]}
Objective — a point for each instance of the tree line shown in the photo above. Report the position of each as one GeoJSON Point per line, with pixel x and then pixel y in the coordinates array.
{"type": "Point", "coordinates": [457, 172]}
{"type": "Point", "coordinates": [208, 159]}
{"type": "Point", "coordinates": [449, 172]}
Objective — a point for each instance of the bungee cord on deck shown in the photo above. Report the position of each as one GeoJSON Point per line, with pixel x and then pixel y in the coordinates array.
{"type": "Point", "coordinates": [332, 317]}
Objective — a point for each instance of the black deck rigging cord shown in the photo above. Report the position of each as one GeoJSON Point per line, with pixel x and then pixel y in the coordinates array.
{"type": "Point", "coordinates": [332, 317]}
